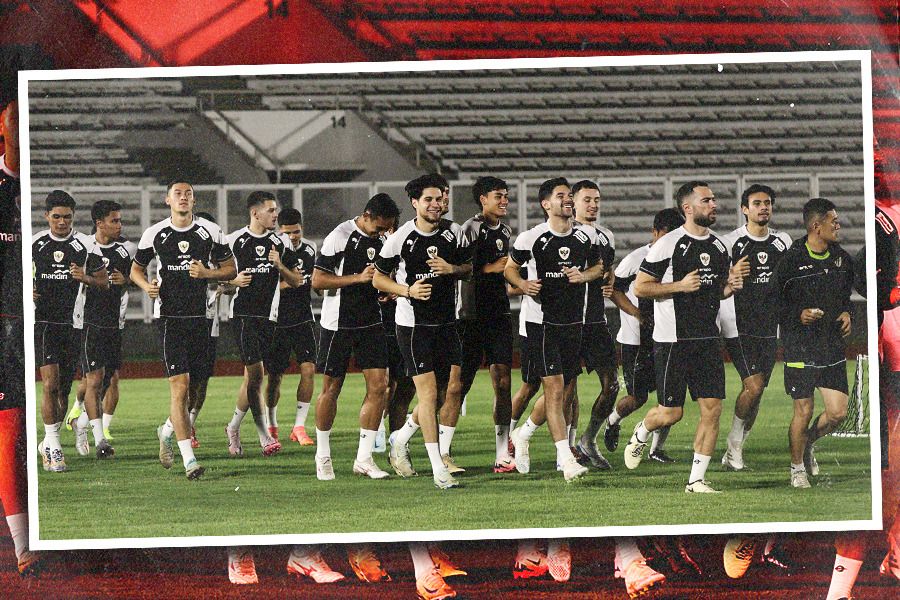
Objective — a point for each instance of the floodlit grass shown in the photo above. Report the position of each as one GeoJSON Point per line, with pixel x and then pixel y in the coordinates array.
{"type": "Point", "coordinates": [132, 496]}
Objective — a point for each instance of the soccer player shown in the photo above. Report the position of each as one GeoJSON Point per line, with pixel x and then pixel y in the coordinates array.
{"type": "Point", "coordinates": [295, 332]}
{"type": "Point", "coordinates": [485, 326]}
{"type": "Point", "coordinates": [61, 264]}
{"type": "Point", "coordinates": [814, 281]}
{"type": "Point", "coordinates": [351, 324]}
{"type": "Point", "coordinates": [687, 273]}
{"type": "Point", "coordinates": [13, 477]}
{"type": "Point", "coordinates": [98, 314]}
{"type": "Point", "coordinates": [263, 259]}
{"type": "Point", "coordinates": [597, 349]}
{"type": "Point", "coordinates": [426, 255]}
{"type": "Point", "coordinates": [635, 338]}
{"type": "Point", "coordinates": [182, 246]}
{"type": "Point", "coordinates": [561, 258]}
{"type": "Point", "coordinates": [750, 318]}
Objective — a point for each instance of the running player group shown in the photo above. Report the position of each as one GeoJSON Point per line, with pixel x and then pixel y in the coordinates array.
{"type": "Point", "coordinates": [393, 300]}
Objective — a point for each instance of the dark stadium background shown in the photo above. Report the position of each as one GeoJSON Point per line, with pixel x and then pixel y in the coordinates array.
{"type": "Point", "coordinates": [95, 34]}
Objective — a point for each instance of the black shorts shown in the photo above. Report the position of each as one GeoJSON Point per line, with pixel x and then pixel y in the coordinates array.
{"type": "Point", "coordinates": [254, 338]}
{"type": "Point", "coordinates": [801, 382]}
{"type": "Point", "coordinates": [489, 340]}
{"type": "Point", "coordinates": [56, 344]}
{"type": "Point", "coordinates": [554, 349]}
{"type": "Point", "coordinates": [429, 348]}
{"type": "Point", "coordinates": [208, 365]}
{"type": "Point", "coordinates": [597, 348]}
{"type": "Point", "coordinates": [694, 365]}
{"type": "Point", "coordinates": [752, 355]}
{"type": "Point", "coordinates": [299, 340]}
{"type": "Point", "coordinates": [396, 364]}
{"type": "Point", "coordinates": [367, 345]}
{"type": "Point", "coordinates": [638, 370]}
{"type": "Point", "coordinates": [12, 367]}
{"type": "Point", "coordinates": [101, 348]}
{"type": "Point", "coordinates": [529, 373]}
{"type": "Point", "coordinates": [180, 338]}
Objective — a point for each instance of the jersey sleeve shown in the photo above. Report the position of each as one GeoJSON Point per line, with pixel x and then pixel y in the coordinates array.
{"type": "Point", "coordinates": [626, 273]}
{"type": "Point", "coordinates": [94, 260]}
{"type": "Point", "coordinates": [887, 267]}
{"type": "Point", "coordinates": [220, 251]}
{"type": "Point", "coordinates": [288, 255]}
{"type": "Point", "coordinates": [330, 255]}
{"type": "Point", "coordinates": [521, 250]}
{"type": "Point", "coordinates": [658, 258]}
{"type": "Point", "coordinates": [465, 249]}
{"type": "Point", "coordinates": [389, 257]}
{"type": "Point", "coordinates": [145, 252]}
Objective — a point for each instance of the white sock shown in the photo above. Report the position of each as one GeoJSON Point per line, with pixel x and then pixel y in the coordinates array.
{"type": "Point", "coordinates": [83, 420]}
{"type": "Point", "coordinates": [107, 420]}
{"type": "Point", "coordinates": [627, 552]}
{"type": "Point", "coordinates": [795, 468]}
{"type": "Point", "coordinates": [273, 416]}
{"type": "Point", "coordinates": [236, 418]}
{"type": "Point", "coordinates": [528, 429]}
{"type": "Point", "coordinates": [563, 451]}
{"type": "Point", "coordinates": [18, 529]}
{"type": "Point", "coordinates": [405, 433]}
{"type": "Point", "coordinates": [572, 435]}
{"type": "Point", "coordinates": [843, 577]}
{"type": "Point", "coordinates": [187, 453]}
{"type": "Point", "coordinates": [614, 417]}
{"type": "Point", "coordinates": [302, 411]}
{"type": "Point", "coordinates": [445, 438]}
{"type": "Point", "coordinates": [381, 428]}
{"type": "Point", "coordinates": [167, 429]}
{"type": "Point", "coordinates": [323, 443]}
{"type": "Point", "coordinates": [513, 423]}
{"type": "Point", "coordinates": [434, 455]}
{"type": "Point", "coordinates": [51, 436]}
{"type": "Point", "coordinates": [659, 439]}
{"type": "Point", "coordinates": [736, 435]}
{"type": "Point", "coordinates": [421, 558]}
{"type": "Point", "coordinates": [261, 422]}
{"type": "Point", "coordinates": [97, 430]}
{"type": "Point", "coordinates": [501, 443]}
{"type": "Point", "coordinates": [642, 433]}
{"type": "Point", "coordinates": [698, 467]}
{"type": "Point", "coordinates": [193, 416]}
{"type": "Point", "coordinates": [366, 444]}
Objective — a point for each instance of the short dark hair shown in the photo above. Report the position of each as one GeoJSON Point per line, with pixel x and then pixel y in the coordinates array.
{"type": "Point", "coordinates": [176, 181]}
{"type": "Point", "coordinates": [756, 188]}
{"type": "Point", "coordinates": [548, 186]}
{"type": "Point", "coordinates": [290, 216]}
{"type": "Point", "coordinates": [205, 215]}
{"type": "Point", "coordinates": [815, 209]}
{"type": "Point", "coordinates": [59, 198]}
{"type": "Point", "coordinates": [668, 219]}
{"type": "Point", "coordinates": [485, 185]}
{"type": "Point", "coordinates": [415, 187]}
{"type": "Point", "coordinates": [684, 191]}
{"type": "Point", "coordinates": [382, 206]}
{"type": "Point", "coordinates": [258, 197]}
{"type": "Point", "coordinates": [101, 209]}
{"type": "Point", "coordinates": [584, 184]}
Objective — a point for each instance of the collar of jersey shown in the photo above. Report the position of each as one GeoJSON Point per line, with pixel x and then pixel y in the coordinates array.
{"type": "Point", "coordinates": [420, 232]}
{"type": "Point", "coordinates": [71, 236]}
{"type": "Point", "coordinates": [265, 233]}
{"type": "Point", "coordinates": [815, 255]}
{"type": "Point", "coordinates": [182, 229]}
{"type": "Point", "coordinates": [697, 237]}
{"type": "Point", "coordinates": [753, 237]}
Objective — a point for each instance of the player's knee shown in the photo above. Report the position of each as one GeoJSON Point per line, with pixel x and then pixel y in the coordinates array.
{"type": "Point", "coordinates": [836, 415]}
{"type": "Point", "coordinates": [753, 388]}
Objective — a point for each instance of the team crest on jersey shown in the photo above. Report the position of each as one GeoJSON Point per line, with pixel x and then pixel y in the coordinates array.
{"type": "Point", "coordinates": [704, 258]}
{"type": "Point", "coordinates": [432, 251]}
{"type": "Point", "coordinates": [370, 252]}
{"type": "Point", "coordinates": [260, 250]}
{"type": "Point", "coordinates": [499, 244]}
{"type": "Point", "coordinates": [183, 245]}
{"type": "Point", "coordinates": [564, 253]}
{"type": "Point", "coordinates": [58, 255]}
{"type": "Point", "coordinates": [762, 257]}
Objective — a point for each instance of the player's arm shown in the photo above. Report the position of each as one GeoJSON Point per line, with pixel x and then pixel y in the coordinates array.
{"type": "Point", "coordinates": [417, 291]}
{"type": "Point", "coordinates": [287, 270]}
{"type": "Point", "coordinates": [225, 270]}
{"type": "Point", "coordinates": [93, 273]}
{"type": "Point", "coordinates": [324, 280]}
{"type": "Point", "coordinates": [515, 279]}
{"type": "Point", "coordinates": [649, 286]}
{"type": "Point", "coordinates": [622, 302]}
{"type": "Point", "coordinates": [498, 266]}
{"type": "Point", "coordinates": [139, 277]}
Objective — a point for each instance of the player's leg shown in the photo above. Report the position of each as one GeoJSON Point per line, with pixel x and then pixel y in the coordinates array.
{"type": "Point", "coordinates": [109, 391]}
{"type": "Point", "coordinates": [850, 549]}
{"type": "Point", "coordinates": [93, 358]}
{"type": "Point", "coordinates": [704, 443]}
{"type": "Point", "coordinates": [631, 566]}
{"type": "Point", "coordinates": [402, 425]}
{"type": "Point", "coordinates": [706, 381]}
{"type": "Point", "coordinates": [430, 585]}
{"type": "Point", "coordinates": [370, 415]}
{"type": "Point", "coordinates": [835, 401]}
{"type": "Point", "coordinates": [304, 396]}
{"type": "Point", "coordinates": [426, 390]}
{"type": "Point", "coordinates": [272, 396]}
{"type": "Point", "coordinates": [14, 483]}
{"type": "Point", "coordinates": [253, 377]}
{"type": "Point", "coordinates": [50, 448]}
{"type": "Point", "coordinates": [498, 350]}
{"type": "Point", "coordinates": [472, 353]}
{"type": "Point", "coordinates": [797, 437]}
{"type": "Point", "coordinates": [326, 409]}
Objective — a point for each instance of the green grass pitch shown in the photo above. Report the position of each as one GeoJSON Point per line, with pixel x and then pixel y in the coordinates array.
{"type": "Point", "coordinates": [132, 496]}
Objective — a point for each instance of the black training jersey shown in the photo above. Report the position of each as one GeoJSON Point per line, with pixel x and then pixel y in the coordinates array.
{"type": "Point", "coordinates": [632, 331]}
{"type": "Point", "coordinates": [294, 304]}
{"type": "Point", "coordinates": [595, 310]}
{"type": "Point", "coordinates": [175, 248]}
{"type": "Point", "coordinates": [687, 316]}
{"type": "Point", "coordinates": [407, 251]}
{"type": "Point", "coordinates": [484, 295]}
{"type": "Point", "coordinates": [887, 255]}
{"type": "Point", "coordinates": [251, 254]}
{"type": "Point", "coordinates": [10, 244]}
{"type": "Point", "coordinates": [546, 253]}
{"type": "Point", "coordinates": [752, 309]}
{"type": "Point", "coordinates": [96, 306]}
{"type": "Point", "coordinates": [53, 282]}
{"type": "Point", "coordinates": [807, 280]}
{"type": "Point", "coordinates": [347, 251]}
